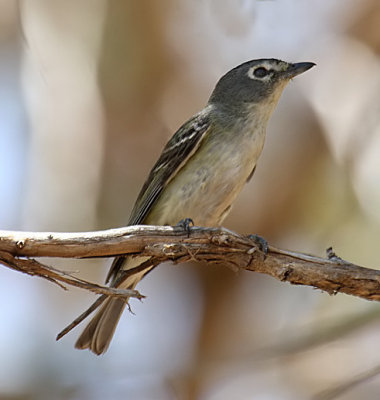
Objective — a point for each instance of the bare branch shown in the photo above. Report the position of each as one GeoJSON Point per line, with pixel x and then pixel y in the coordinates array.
{"type": "Point", "coordinates": [33, 267]}
{"type": "Point", "coordinates": [163, 243]}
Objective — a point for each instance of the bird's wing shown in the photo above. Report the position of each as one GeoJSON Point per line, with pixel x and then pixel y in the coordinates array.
{"type": "Point", "coordinates": [174, 156]}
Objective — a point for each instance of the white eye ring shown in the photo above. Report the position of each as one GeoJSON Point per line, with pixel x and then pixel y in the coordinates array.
{"type": "Point", "coordinates": [252, 73]}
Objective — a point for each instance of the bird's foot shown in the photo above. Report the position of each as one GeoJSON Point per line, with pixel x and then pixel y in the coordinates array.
{"type": "Point", "coordinates": [186, 225]}
{"type": "Point", "coordinates": [261, 243]}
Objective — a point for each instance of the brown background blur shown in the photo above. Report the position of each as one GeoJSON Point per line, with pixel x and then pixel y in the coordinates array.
{"type": "Point", "coordinates": [90, 91]}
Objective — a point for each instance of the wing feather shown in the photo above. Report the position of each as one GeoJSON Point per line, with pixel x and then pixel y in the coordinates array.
{"type": "Point", "coordinates": [174, 156]}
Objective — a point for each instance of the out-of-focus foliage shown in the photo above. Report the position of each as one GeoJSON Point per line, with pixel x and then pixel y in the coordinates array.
{"type": "Point", "coordinates": [89, 93]}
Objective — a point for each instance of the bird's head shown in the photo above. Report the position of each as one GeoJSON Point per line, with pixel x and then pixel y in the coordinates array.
{"type": "Point", "coordinates": [256, 82]}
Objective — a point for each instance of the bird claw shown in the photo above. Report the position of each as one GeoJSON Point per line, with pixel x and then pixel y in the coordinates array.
{"type": "Point", "coordinates": [186, 225]}
{"type": "Point", "coordinates": [260, 242]}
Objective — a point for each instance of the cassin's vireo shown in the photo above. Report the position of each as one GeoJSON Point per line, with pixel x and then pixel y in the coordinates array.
{"type": "Point", "coordinates": [201, 170]}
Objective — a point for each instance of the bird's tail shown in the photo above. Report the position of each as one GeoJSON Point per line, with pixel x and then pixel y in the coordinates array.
{"type": "Point", "coordinates": [99, 332]}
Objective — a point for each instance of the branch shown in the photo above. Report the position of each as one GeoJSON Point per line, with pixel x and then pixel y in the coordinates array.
{"type": "Point", "coordinates": [33, 267]}
{"type": "Point", "coordinates": [163, 243]}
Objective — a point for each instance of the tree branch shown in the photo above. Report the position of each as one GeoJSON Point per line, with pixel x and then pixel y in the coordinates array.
{"type": "Point", "coordinates": [163, 243]}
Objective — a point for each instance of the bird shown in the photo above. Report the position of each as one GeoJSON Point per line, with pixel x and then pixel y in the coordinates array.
{"type": "Point", "coordinates": [200, 171]}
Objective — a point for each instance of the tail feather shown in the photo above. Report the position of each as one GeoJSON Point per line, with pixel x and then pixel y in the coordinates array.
{"type": "Point", "coordinates": [98, 333]}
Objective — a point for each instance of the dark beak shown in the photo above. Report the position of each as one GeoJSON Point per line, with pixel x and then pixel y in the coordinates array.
{"type": "Point", "coordinates": [297, 68]}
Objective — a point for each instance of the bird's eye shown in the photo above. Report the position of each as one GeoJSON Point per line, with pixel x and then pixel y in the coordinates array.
{"type": "Point", "coordinates": [260, 72]}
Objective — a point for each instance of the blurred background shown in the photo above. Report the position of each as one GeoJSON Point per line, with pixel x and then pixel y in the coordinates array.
{"type": "Point", "coordinates": [90, 91]}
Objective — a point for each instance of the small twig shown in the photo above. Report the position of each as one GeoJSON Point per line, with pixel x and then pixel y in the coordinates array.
{"type": "Point", "coordinates": [81, 317]}
{"type": "Point", "coordinates": [33, 267]}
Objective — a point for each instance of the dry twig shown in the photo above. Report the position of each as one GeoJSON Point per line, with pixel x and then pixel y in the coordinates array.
{"type": "Point", "coordinates": [163, 243]}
